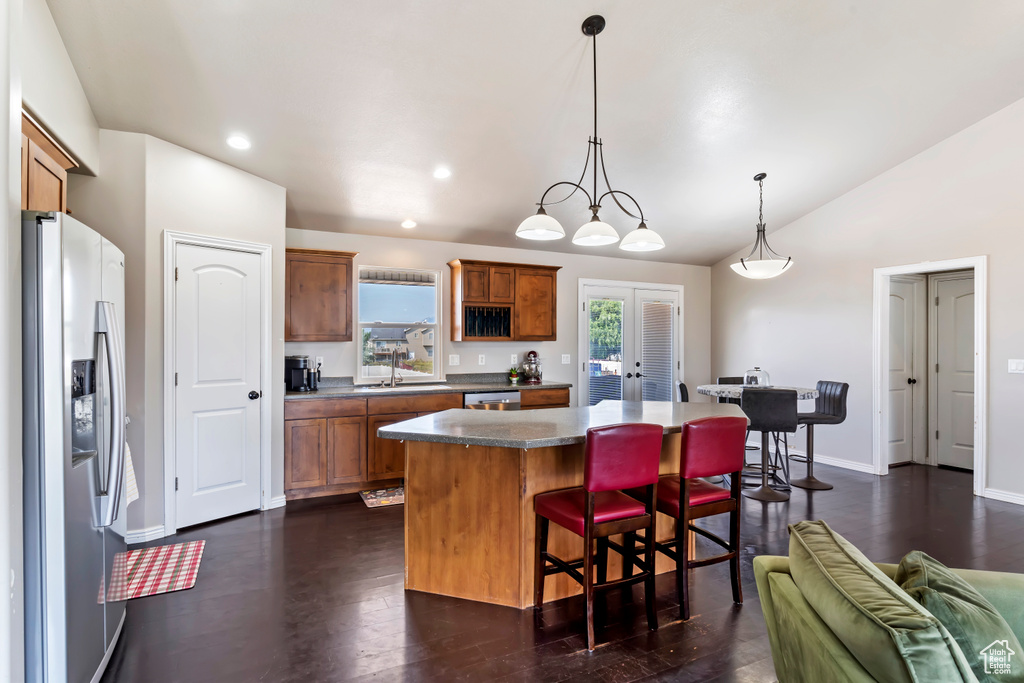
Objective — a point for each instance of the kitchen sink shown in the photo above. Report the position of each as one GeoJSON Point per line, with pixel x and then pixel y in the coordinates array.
{"type": "Point", "coordinates": [411, 388]}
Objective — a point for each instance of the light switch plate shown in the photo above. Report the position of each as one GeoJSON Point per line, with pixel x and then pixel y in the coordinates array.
{"type": "Point", "coordinates": [515, 359]}
{"type": "Point", "coordinates": [1016, 366]}
{"type": "Point", "coordinates": [481, 359]}
{"type": "Point", "coordinates": [453, 359]}
{"type": "Point", "coordinates": [566, 359]}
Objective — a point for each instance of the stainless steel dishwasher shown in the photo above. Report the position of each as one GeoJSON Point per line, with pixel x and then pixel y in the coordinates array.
{"type": "Point", "coordinates": [497, 400]}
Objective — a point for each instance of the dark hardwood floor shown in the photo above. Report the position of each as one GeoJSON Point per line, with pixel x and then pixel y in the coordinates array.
{"type": "Point", "coordinates": [313, 592]}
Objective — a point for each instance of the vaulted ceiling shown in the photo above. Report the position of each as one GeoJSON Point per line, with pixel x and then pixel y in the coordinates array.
{"type": "Point", "coordinates": [351, 105]}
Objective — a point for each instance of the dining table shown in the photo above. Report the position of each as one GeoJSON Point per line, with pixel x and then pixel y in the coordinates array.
{"type": "Point", "coordinates": [736, 390]}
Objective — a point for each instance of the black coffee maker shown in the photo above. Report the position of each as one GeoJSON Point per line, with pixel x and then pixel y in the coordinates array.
{"type": "Point", "coordinates": [299, 374]}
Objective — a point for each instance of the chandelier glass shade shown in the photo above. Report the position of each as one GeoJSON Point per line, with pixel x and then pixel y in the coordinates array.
{"type": "Point", "coordinates": [768, 263]}
{"type": "Point", "coordinates": [595, 232]}
{"type": "Point", "coordinates": [540, 226]}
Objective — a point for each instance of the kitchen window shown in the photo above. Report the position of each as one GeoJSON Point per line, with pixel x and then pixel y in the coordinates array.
{"type": "Point", "coordinates": [399, 310]}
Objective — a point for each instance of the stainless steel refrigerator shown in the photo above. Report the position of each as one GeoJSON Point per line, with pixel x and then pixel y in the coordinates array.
{"type": "Point", "coordinates": [75, 421]}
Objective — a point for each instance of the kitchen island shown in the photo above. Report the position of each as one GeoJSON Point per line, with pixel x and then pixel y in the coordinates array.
{"type": "Point", "coordinates": [470, 480]}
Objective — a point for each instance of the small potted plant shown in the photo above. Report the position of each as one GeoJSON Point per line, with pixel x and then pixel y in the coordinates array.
{"type": "Point", "coordinates": [513, 375]}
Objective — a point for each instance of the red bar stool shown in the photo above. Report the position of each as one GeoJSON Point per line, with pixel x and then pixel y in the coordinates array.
{"type": "Point", "coordinates": [616, 457]}
{"type": "Point", "coordinates": [710, 447]}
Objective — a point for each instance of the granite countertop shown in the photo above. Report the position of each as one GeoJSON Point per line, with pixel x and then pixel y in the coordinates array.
{"type": "Point", "coordinates": [418, 389]}
{"type": "Point", "coordinates": [551, 427]}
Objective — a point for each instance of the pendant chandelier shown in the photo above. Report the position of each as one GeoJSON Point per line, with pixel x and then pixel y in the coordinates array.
{"type": "Point", "coordinates": [768, 263]}
{"type": "Point", "coordinates": [595, 232]}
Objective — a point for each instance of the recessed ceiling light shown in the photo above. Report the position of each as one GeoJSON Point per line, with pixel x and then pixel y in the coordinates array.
{"type": "Point", "coordinates": [442, 172]}
{"type": "Point", "coordinates": [239, 142]}
{"type": "Point", "coordinates": [408, 224]}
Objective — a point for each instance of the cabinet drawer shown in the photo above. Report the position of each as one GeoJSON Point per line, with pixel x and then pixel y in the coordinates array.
{"type": "Point", "coordinates": [323, 407]}
{"type": "Point", "coordinates": [544, 398]}
{"type": "Point", "coordinates": [386, 405]}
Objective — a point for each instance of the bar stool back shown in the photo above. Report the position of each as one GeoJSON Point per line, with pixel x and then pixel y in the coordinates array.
{"type": "Point", "coordinates": [684, 393]}
{"type": "Point", "coordinates": [769, 410]}
{"type": "Point", "coordinates": [829, 409]}
{"type": "Point", "coordinates": [729, 380]}
{"type": "Point", "coordinates": [616, 457]}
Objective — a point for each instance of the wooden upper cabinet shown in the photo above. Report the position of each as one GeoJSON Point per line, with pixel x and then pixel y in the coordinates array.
{"type": "Point", "coordinates": [44, 169]}
{"type": "Point", "coordinates": [476, 284]}
{"type": "Point", "coordinates": [535, 318]}
{"type": "Point", "coordinates": [502, 301]}
{"type": "Point", "coordinates": [502, 284]}
{"type": "Point", "coordinates": [318, 295]}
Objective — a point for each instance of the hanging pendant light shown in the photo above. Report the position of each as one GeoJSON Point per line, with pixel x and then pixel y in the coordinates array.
{"type": "Point", "coordinates": [768, 263]}
{"type": "Point", "coordinates": [594, 232]}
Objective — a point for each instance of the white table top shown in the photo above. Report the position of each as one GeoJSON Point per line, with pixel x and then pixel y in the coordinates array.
{"type": "Point", "coordinates": [736, 390]}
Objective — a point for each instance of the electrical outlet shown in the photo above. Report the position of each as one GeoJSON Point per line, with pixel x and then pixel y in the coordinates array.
{"type": "Point", "coordinates": [566, 359]}
{"type": "Point", "coordinates": [319, 362]}
{"type": "Point", "coordinates": [481, 359]}
{"type": "Point", "coordinates": [453, 359]}
{"type": "Point", "coordinates": [515, 359]}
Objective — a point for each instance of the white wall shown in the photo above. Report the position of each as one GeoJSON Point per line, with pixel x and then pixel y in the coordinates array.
{"type": "Point", "coordinates": [340, 358]}
{"type": "Point", "coordinates": [12, 627]}
{"type": "Point", "coordinates": [148, 186]}
{"type": "Point", "coordinates": [960, 198]}
{"type": "Point", "coordinates": [51, 89]}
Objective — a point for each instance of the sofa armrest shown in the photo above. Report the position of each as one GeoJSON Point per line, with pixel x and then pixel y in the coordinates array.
{"type": "Point", "coordinates": [763, 566]}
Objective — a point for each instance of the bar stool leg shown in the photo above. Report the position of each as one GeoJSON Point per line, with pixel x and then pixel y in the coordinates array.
{"type": "Point", "coordinates": [541, 546]}
{"type": "Point", "coordinates": [810, 482]}
{"type": "Point", "coordinates": [588, 584]}
{"type": "Point", "coordinates": [683, 564]}
{"type": "Point", "coordinates": [734, 563]}
{"type": "Point", "coordinates": [764, 492]}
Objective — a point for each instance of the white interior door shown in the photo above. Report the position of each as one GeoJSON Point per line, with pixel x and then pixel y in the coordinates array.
{"type": "Point", "coordinates": [629, 340]}
{"type": "Point", "coordinates": [907, 379]}
{"type": "Point", "coordinates": [217, 397]}
{"type": "Point", "coordinates": [953, 341]}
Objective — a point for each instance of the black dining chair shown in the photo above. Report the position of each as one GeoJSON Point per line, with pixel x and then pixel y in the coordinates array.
{"type": "Point", "coordinates": [684, 394]}
{"type": "Point", "coordinates": [829, 409]}
{"type": "Point", "coordinates": [771, 412]}
{"type": "Point", "coordinates": [729, 380]}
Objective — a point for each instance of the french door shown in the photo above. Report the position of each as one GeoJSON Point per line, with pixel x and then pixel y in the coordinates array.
{"type": "Point", "coordinates": [630, 344]}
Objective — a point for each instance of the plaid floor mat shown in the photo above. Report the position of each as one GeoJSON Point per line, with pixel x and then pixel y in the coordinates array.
{"type": "Point", "coordinates": [150, 571]}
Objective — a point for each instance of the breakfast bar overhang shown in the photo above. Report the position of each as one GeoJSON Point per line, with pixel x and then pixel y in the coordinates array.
{"type": "Point", "coordinates": [470, 480]}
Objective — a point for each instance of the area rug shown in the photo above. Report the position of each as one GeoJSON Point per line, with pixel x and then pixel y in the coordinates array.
{"type": "Point", "coordinates": [383, 497]}
{"type": "Point", "coordinates": [151, 571]}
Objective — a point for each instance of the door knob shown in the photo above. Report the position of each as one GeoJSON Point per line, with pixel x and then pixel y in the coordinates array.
{"type": "Point", "coordinates": [911, 380]}
{"type": "Point", "coordinates": [253, 395]}
{"type": "Point", "coordinates": [629, 375]}
{"type": "Point", "coordinates": [639, 375]}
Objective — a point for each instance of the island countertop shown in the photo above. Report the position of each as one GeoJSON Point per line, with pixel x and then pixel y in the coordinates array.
{"type": "Point", "coordinates": [546, 428]}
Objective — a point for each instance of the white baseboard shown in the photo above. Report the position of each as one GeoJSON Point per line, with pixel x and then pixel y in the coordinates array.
{"type": "Point", "coordinates": [1005, 496]}
{"type": "Point", "coordinates": [865, 467]}
{"type": "Point", "coordinates": [276, 502]}
{"type": "Point", "coordinates": [143, 535]}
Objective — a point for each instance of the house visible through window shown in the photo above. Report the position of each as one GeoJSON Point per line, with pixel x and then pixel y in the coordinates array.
{"type": "Point", "coordinates": [398, 315]}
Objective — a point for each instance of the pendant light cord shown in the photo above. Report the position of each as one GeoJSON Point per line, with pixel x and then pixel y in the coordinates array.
{"type": "Point", "coordinates": [594, 37]}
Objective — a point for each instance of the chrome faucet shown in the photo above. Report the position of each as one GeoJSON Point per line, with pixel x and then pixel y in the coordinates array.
{"type": "Point", "coordinates": [394, 371]}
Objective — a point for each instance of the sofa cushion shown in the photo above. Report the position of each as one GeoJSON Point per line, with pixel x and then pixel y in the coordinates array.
{"type": "Point", "coordinates": [889, 633]}
{"type": "Point", "coordinates": [978, 628]}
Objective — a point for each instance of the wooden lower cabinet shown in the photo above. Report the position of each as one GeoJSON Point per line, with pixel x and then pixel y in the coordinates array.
{"type": "Point", "coordinates": [533, 399]}
{"type": "Point", "coordinates": [305, 447]}
{"type": "Point", "coordinates": [346, 450]}
{"type": "Point", "coordinates": [331, 444]}
{"type": "Point", "coordinates": [386, 457]}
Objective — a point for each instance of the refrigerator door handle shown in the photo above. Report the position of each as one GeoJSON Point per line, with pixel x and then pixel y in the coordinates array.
{"type": "Point", "coordinates": [114, 347]}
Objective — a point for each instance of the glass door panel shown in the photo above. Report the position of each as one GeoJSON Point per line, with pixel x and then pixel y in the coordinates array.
{"type": "Point", "coordinates": [604, 360]}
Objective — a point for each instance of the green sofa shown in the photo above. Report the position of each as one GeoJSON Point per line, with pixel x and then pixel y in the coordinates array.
{"type": "Point", "coordinates": [805, 649]}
